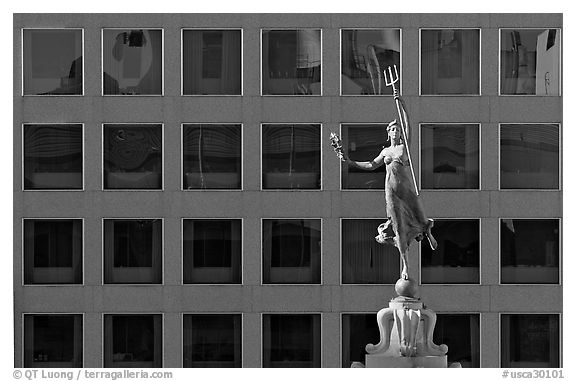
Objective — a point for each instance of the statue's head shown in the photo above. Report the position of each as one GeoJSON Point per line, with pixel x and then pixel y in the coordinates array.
{"type": "Point", "coordinates": [394, 131]}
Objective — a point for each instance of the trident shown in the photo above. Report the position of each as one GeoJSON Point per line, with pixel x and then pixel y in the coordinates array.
{"type": "Point", "coordinates": [390, 79]}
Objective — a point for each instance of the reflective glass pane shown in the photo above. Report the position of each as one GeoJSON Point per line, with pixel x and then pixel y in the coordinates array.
{"type": "Point", "coordinates": [366, 54]}
{"type": "Point", "coordinates": [461, 333]}
{"type": "Point", "coordinates": [363, 142]}
{"type": "Point", "coordinates": [357, 331]}
{"type": "Point", "coordinates": [291, 62]}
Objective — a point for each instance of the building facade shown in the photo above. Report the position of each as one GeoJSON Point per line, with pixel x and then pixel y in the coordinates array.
{"type": "Point", "coordinates": [177, 201]}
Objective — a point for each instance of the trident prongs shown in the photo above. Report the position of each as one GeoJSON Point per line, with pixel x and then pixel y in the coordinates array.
{"type": "Point", "coordinates": [389, 78]}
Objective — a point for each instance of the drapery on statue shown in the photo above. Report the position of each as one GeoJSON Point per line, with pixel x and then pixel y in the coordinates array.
{"type": "Point", "coordinates": [406, 218]}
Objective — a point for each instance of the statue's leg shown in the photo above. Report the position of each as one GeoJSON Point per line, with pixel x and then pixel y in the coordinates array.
{"type": "Point", "coordinates": [431, 239]}
{"type": "Point", "coordinates": [385, 318]}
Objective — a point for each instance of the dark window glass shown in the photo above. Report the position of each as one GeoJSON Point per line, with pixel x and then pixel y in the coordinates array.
{"type": "Point", "coordinates": [53, 341]}
{"type": "Point", "coordinates": [450, 62]}
{"type": "Point", "coordinates": [530, 251]}
{"type": "Point", "coordinates": [530, 61]}
{"type": "Point", "coordinates": [53, 251]}
{"type": "Point", "coordinates": [450, 156]}
{"type": "Point", "coordinates": [291, 61]}
{"type": "Point", "coordinates": [457, 258]}
{"type": "Point", "coordinates": [363, 142]}
{"type": "Point", "coordinates": [132, 251]}
{"type": "Point", "coordinates": [366, 54]}
{"type": "Point", "coordinates": [213, 341]}
{"type": "Point", "coordinates": [212, 251]}
{"type": "Point", "coordinates": [291, 341]}
{"type": "Point", "coordinates": [529, 156]}
{"type": "Point", "coordinates": [461, 333]}
{"type": "Point", "coordinates": [291, 156]}
{"type": "Point", "coordinates": [212, 62]}
{"type": "Point", "coordinates": [291, 251]}
{"type": "Point", "coordinates": [530, 341]}
{"type": "Point", "coordinates": [365, 261]}
{"type": "Point", "coordinates": [132, 61]}
{"type": "Point", "coordinates": [53, 156]}
{"type": "Point", "coordinates": [132, 341]}
{"type": "Point", "coordinates": [132, 156]}
{"type": "Point", "coordinates": [52, 62]}
{"type": "Point", "coordinates": [357, 331]}
{"type": "Point", "coordinates": [212, 156]}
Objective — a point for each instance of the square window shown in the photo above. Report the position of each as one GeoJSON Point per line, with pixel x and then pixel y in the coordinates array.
{"type": "Point", "coordinates": [366, 54]}
{"type": "Point", "coordinates": [133, 341]}
{"type": "Point", "coordinates": [132, 61]}
{"type": "Point", "coordinates": [529, 156]}
{"type": "Point", "coordinates": [291, 341]}
{"type": "Point", "coordinates": [52, 61]}
{"type": "Point", "coordinates": [363, 142]}
{"type": "Point", "coordinates": [450, 61]}
{"type": "Point", "coordinates": [291, 251]}
{"type": "Point", "coordinates": [212, 156]}
{"type": "Point", "coordinates": [291, 156]}
{"type": "Point", "coordinates": [133, 251]}
{"type": "Point", "coordinates": [461, 333]}
{"type": "Point", "coordinates": [53, 341]}
{"type": "Point", "coordinates": [365, 261]}
{"type": "Point", "coordinates": [213, 341]}
{"type": "Point", "coordinates": [450, 156]}
{"type": "Point", "coordinates": [212, 62]}
{"type": "Point", "coordinates": [530, 341]}
{"type": "Point", "coordinates": [53, 156]}
{"type": "Point", "coordinates": [133, 156]}
{"type": "Point", "coordinates": [456, 260]}
{"type": "Point", "coordinates": [291, 62]}
{"type": "Point", "coordinates": [530, 62]}
{"type": "Point", "coordinates": [53, 251]}
{"type": "Point", "coordinates": [529, 251]}
{"type": "Point", "coordinates": [358, 330]}
{"type": "Point", "coordinates": [212, 251]}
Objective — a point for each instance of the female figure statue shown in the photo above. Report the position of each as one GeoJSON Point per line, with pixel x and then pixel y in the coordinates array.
{"type": "Point", "coordinates": [406, 218]}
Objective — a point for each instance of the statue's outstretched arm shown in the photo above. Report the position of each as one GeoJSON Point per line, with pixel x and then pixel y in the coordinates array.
{"type": "Point", "coordinates": [368, 165]}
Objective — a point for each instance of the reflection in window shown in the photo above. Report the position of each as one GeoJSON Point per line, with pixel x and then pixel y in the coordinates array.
{"type": "Point", "coordinates": [530, 61]}
{"type": "Point", "coordinates": [132, 61]}
{"type": "Point", "coordinates": [52, 251]}
{"type": "Point", "coordinates": [457, 258]}
{"type": "Point", "coordinates": [357, 331]}
{"type": "Point", "coordinates": [290, 156]}
{"type": "Point", "coordinates": [212, 156]}
{"type": "Point", "coordinates": [291, 341]}
{"type": "Point", "coordinates": [212, 251]}
{"type": "Point", "coordinates": [363, 142]}
{"type": "Point", "coordinates": [291, 251]}
{"type": "Point", "coordinates": [132, 156]}
{"type": "Point", "coordinates": [461, 333]}
{"type": "Point", "coordinates": [291, 62]}
{"type": "Point", "coordinates": [53, 341]}
{"type": "Point", "coordinates": [529, 251]}
{"type": "Point", "coordinates": [53, 156]}
{"type": "Point", "coordinates": [450, 156]}
{"type": "Point", "coordinates": [211, 62]}
{"type": "Point", "coordinates": [52, 61]}
{"type": "Point", "coordinates": [530, 341]}
{"type": "Point", "coordinates": [133, 341]}
{"type": "Point", "coordinates": [450, 62]}
{"type": "Point", "coordinates": [132, 251]}
{"type": "Point", "coordinates": [213, 341]}
{"type": "Point", "coordinates": [366, 54]}
{"type": "Point", "coordinates": [365, 261]}
{"type": "Point", "coordinates": [529, 156]}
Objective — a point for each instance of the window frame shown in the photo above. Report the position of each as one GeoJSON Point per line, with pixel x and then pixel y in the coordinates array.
{"type": "Point", "coordinates": [83, 157]}
{"type": "Point", "coordinates": [560, 155]}
{"type": "Point", "coordinates": [102, 63]}
{"type": "Point", "coordinates": [479, 29]}
{"type": "Point", "coordinates": [321, 62]}
{"type": "Point", "coordinates": [22, 63]}
{"type": "Point", "coordinates": [340, 63]}
{"type": "Point", "coordinates": [103, 159]}
{"type": "Point", "coordinates": [560, 252]}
